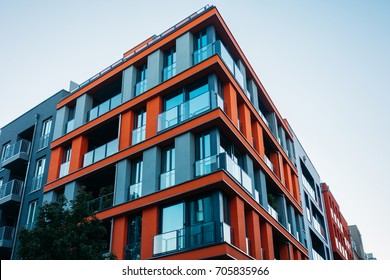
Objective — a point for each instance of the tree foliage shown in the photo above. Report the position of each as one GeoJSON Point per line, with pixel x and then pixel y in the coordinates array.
{"type": "Point", "coordinates": [64, 233]}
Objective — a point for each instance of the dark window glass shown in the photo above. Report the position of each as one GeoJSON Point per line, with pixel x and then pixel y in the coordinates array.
{"type": "Point", "coordinates": [200, 39]}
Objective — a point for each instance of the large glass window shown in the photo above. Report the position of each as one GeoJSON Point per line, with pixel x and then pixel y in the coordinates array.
{"type": "Point", "coordinates": [136, 179]}
{"type": "Point", "coordinates": [167, 178]}
{"type": "Point", "coordinates": [169, 63]}
{"type": "Point", "coordinates": [44, 139]}
{"type": "Point", "coordinates": [38, 175]}
{"type": "Point", "coordinates": [32, 214]}
{"type": "Point", "coordinates": [141, 79]}
{"type": "Point", "coordinates": [133, 248]}
{"type": "Point", "coordinates": [200, 39]}
{"type": "Point", "coordinates": [139, 127]}
{"type": "Point", "coordinates": [64, 169]}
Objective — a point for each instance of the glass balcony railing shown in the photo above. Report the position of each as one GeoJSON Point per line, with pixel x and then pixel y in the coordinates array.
{"type": "Point", "coordinates": [269, 163]}
{"type": "Point", "coordinates": [224, 161]}
{"type": "Point", "coordinates": [104, 107]}
{"type": "Point", "coordinates": [318, 227]}
{"type": "Point", "coordinates": [273, 213]}
{"type": "Point", "coordinates": [43, 141]}
{"type": "Point", "coordinates": [308, 187]}
{"type": "Point", "coordinates": [37, 183]}
{"type": "Point", "coordinates": [169, 71]}
{"type": "Point", "coordinates": [188, 110]}
{"type": "Point", "coordinates": [167, 179]}
{"type": "Point", "coordinates": [191, 237]}
{"type": "Point", "coordinates": [219, 48]}
{"type": "Point", "coordinates": [101, 152]}
{"type": "Point", "coordinates": [7, 236]}
{"type": "Point", "coordinates": [135, 191]}
{"type": "Point", "coordinates": [64, 169]}
{"type": "Point", "coordinates": [19, 149]}
{"type": "Point", "coordinates": [138, 135]}
{"type": "Point", "coordinates": [316, 256]}
{"type": "Point", "coordinates": [101, 203]}
{"type": "Point", "coordinates": [69, 126]}
{"type": "Point", "coordinates": [11, 188]}
{"type": "Point", "coordinates": [141, 87]}
{"type": "Point", "coordinates": [263, 117]}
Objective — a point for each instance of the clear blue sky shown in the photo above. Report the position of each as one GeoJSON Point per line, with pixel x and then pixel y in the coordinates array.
{"type": "Point", "coordinates": [325, 64]}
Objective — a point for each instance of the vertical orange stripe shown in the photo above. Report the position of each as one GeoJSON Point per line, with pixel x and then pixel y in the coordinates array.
{"type": "Point", "coordinates": [119, 237]}
{"type": "Point", "coordinates": [267, 240]}
{"type": "Point", "coordinates": [253, 225]}
{"type": "Point", "coordinates": [55, 163]}
{"type": "Point", "coordinates": [149, 230]}
{"type": "Point", "coordinates": [237, 212]}
{"type": "Point", "coordinates": [153, 109]}
{"type": "Point", "coordinates": [230, 96]}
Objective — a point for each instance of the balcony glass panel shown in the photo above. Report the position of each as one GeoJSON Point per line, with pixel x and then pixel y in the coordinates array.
{"type": "Point", "coordinates": [64, 169]}
{"type": "Point", "coordinates": [238, 75]}
{"type": "Point", "coordinates": [167, 179]}
{"type": "Point", "coordinates": [273, 212]}
{"type": "Point", "coordinates": [43, 141]}
{"type": "Point", "coordinates": [169, 71]}
{"type": "Point", "coordinates": [246, 181]}
{"type": "Point", "coordinates": [308, 187]}
{"type": "Point", "coordinates": [112, 148]}
{"type": "Point", "coordinates": [204, 53]}
{"type": "Point", "coordinates": [37, 183]}
{"type": "Point", "coordinates": [13, 187]}
{"type": "Point", "coordinates": [191, 237]}
{"type": "Point", "coordinates": [116, 101]}
{"type": "Point", "coordinates": [226, 57]}
{"type": "Point", "coordinates": [233, 168]}
{"type": "Point", "coordinates": [101, 203]}
{"type": "Point", "coordinates": [101, 152]}
{"type": "Point", "coordinates": [316, 256]}
{"type": "Point", "coordinates": [138, 135]}
{"type": "Point", "coordinates": [140, 87]}
{"type": "Point", "coordinates": [135, 191]}
{"type": "Point", "coordinates": [69, 126]}
{"type": "Point", "coordinates": [268, 163]}
{"type": "Point", "coordinates": [206, 166]}
{"type": "Point", "coordinates": [318, 227]}
{"type": "Point", "coordinates": [105, 107]}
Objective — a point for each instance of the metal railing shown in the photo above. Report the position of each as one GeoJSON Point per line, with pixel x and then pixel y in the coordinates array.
{"type": "Point", "coordinates": [101, 203]}
{"type": "Point", "coordinates": [191, 237]}
{"type": "Point", "coordinates": [13, 187]}
{"type": "Point", "coordinates": [16, 149]}
{"type": "Point", "coordinates": [141, 48]}
{"type": "Point", "coordinates": [101, 152]}
{"type": "Point", "coordinates": [104, 107]}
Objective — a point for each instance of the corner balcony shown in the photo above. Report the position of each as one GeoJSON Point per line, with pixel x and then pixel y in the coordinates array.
{"type": "Point", "coordinates": [192, 237]}
{"type": "Point", "coordinates": [204, 102]}
{"type": "Point", "coordinates": [104, 107]}
{"type": "Point", "coordinates": [11, 192]}
{"type": "Point", "coordinates": [101, 152]}
{"type": "Point", "coordinates": [219, 48]}
{"type": "Point", "coordinates": [6, 236]}
{"type": "Point", "coordinates": [225, 162]}
{"type": "Point", "coordinates": [16, 155]}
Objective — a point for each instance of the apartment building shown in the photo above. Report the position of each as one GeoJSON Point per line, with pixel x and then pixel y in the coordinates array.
{"type": "Point", "coordinates": [338, 227]}
{"type": "Point", "coordinates": [183, 150]}
{"type": "Point", "coordinates": [316, 233]}
{"type": "Point", "coordinates": [24, 163]}
{"type": "Point", "coordinates": [357, 243]}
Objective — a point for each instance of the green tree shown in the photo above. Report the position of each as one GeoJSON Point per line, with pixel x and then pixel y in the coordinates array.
{"type": "Point", "coordinates": [64, 233]}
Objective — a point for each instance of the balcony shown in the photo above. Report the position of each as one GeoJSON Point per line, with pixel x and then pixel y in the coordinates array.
{"type": "Point", "coordinates": [69, 126]}
{"type": "Point", "coordinates": [263, 117]}
{"type": "Point", "coordinates": [169, 71]}
{"type": "Point", "coordinates": [141, 87]}
{"type": "Point", "coordinates": [104, 107]}
{"type": "Point", "coordinates": [318, 227]}
{"type": "Point", "coordinates": [308, 187]}
{"type": "Point", "coordinates": [101, 152]}
{"type": "Point", "coordinates": [191, 237]}
{"type": "Point", "coordinates": [218, 48]}
{"type": "Point", "coordinates": [101, 203]}
{"type": "Point", "coordinates": [316, 256]}
{"type": "Point", "coordinates": [269, 163]}
{"type": "Point", "coordinates": [64, 169]}
{"type": "Point", "coordinates": [37, 183]}
{"type": "Point", "coordinates": [273, 213]}
{"type": "Point", "coordinates": [135, 191]}
{"type": "Point", "coordinates": [16, 154]}
{"type": "Point", "coordinates": [138, 135]}
{"type": "Point", "coordinates": [6, 236]}
{"type": "Point", "coordinates": [188, 110]}
{"type": "Point", "coordinates": [225, 162]}
{"type": "Point", "coordinates": [11, 192]}
{"type": "Point", "coordinates": [167, 179]}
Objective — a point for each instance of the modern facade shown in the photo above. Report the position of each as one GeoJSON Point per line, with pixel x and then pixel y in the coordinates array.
{"type": "Point", "coordinates": [183, 150]}
{"type": "Point", "coordinates": [357, 243]}
{"type": "Point", "coordinates": [25, 154]}
{"type": "Point", "coordinates": [315, 223]}
{"type": "Point", "coordinates": [338, 227]}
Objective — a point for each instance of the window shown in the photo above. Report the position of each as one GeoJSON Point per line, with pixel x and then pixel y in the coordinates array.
{"type": "Point", "coordinates": [5, 150]}
{"type": "Point", "coordinates": [46, 128]}
{"type": "Point", "coordinates": [200, 39]}
{"type": "Point", "coordinates": [32, 214]}
{"type": "Point", "coordinates": [205, 161]}
{"type": "Point", "coordinates": [38, 175]}
{"type": "Point", "coordinates": [64, 169]}
{"type": "Point", "coordinates": [136, 179]}
{"type": "Point", "coordinates": [169, 64]}
{"type": "Point", "coordinates": [70, 123]}
{"type": "Point", "coordinates": [202, 50]}
{"type": "Point", "coordinates": [141, 81]}
{"type": "Point", "coordinates": [167, 178]}
{"type": "Point", "coordinates": [139, 127]}
{"type": "Point", "coordinates": [133, 248]}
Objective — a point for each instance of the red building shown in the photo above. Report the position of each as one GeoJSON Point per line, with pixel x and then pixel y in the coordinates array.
{"type": "Point", "coordinates": [338, 227]}
{"type": "Point", "coordinates": [183, 150]}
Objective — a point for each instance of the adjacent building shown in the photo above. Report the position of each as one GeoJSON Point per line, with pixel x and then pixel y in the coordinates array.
{"type": "Point", "coordinates": [338, 227]}
{"type": "Point", "coordinates": [316, 233]}
{"type": "Point", "coordinates": [24, 163]}
{"type": "Point", "coordinates": [357, 243]}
